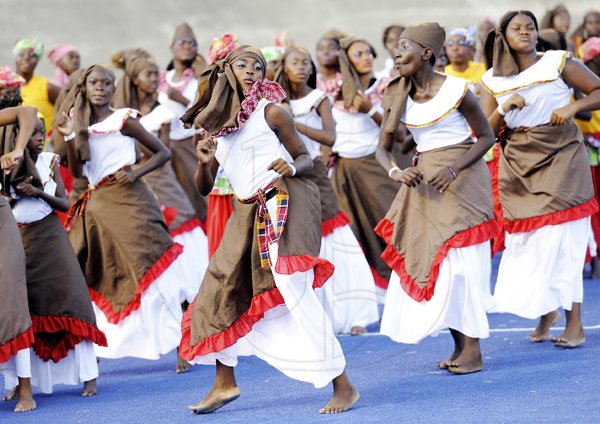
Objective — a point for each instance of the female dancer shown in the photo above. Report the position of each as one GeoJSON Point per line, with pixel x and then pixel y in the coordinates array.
{"type": "Point", "coordinates": [63, 319]}
{"type": "Point", "coordinates": [349, 299]}
{"type": "Point", "coordinates": [544, 180]}
{"type": "Point", "coordinates": [16, 332]}
{"type": "Point", "coordinates": [363, 189]}
{"type": "Point", "coordinates": [257, 297]}
{"type": "Point", "coordinates": [440, 224]}
{"type": "Point", "coordinates": [116, 227]}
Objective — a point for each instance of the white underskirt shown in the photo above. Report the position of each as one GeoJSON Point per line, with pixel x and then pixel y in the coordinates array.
{"type": "Point", "coordinates": [349, 297]}
{"type": "Point", "coordinates": [541, 270]}
{"type": "Point", "coordinates": [194, 260]}
{"type": "Point", "coordinates": [460, 300]}
{"type": "Point", "coordinates": [19, 365]}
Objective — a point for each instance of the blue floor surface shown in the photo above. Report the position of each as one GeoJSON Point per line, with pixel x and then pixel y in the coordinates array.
{"type": "Point", "coordinates": [521, 383]}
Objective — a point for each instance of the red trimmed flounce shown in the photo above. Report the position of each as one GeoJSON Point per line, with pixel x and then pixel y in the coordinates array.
{"type": "Point", "coordinates": [498, 241]}
{"type": "Point", "coordinates": [472, 236]}
{"type": "Point", "coordinates": [340, 220]}
{"type": "Point", "coordinates": [380, 281]}
{"type": "Point", "coordinates": [77, 331]}
{"type": "Point", "coordinates": [22, 341]}
{"type": "Point", "coordinates": [218, 213]}
{"type": "Point", "coordinates": [385, 230]}
{"type": "Point", "coordinates": [186, 227]}
{"type": "Point", "coordinates": [160, 266]}
{"type": "Point", "coordinates": [555, 218]}
{"type": "Point", "coordinates": [260, 304]}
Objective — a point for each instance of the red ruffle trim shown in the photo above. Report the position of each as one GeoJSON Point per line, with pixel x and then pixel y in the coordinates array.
{"type": "Point", "coordinates": [186, 227]}
{"type": "Point", "coordinates": [555, 218]}
{"type": "Point", "coordinates": [22, 341]}
{"type": "Point", "coordinates": [340, 220]}
{"type": "Point", "coordinates": [385, 230]}
{"type": "Point", "coordinates": [77, 331]}
{"type": "Point", "coordinates": [380, 281]}
{"type": "Point", "coordinates": [260, 304]}
{"type": "Point", "coordinates": [474, 235]}
{"type": "Point", "coordinates": [160, 266]}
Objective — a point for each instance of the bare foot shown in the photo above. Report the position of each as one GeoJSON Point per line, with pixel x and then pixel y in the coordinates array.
{"type": "Point", "coordinates": [89, 388]}
{"type": "Point", "coordinates": [358, 330]}
{"type": "Point", "coordinates": [13, 394]}
{"type": "Point", "coordinates": [216, 398]}
{"type": "Point", "coordinates": [344, 396]}
{"type": "Point", "coordinates": [182, 365]}
{"type": "Point", "coordinates": [469, 360]}
{"type": "Point", "coordinates": [444, 364]}
{"type": "Point", "coordinates": [542, 331]}
{"type": "Point", "coordinates": [26, 402]}
{"type": "Point", "coordinates": [570, 339]}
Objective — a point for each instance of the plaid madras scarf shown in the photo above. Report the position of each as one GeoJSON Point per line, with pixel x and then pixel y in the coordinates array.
{"type": "Point", "coordinates": [268, 231]}
{"type": "Point", "coordinates": [262, 89]}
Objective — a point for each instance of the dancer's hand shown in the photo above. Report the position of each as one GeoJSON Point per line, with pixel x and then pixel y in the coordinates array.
{"type": "Point", "coordinates": [64, 124]}
{"type": "Point", "coordinates": [514, 102]}
{"type": "Point", "coordinates": [125, 176]}
{"type": "Point", "coordinates": [25, 188]}
{"type": "Point", "coordinates": [442, 179]}
{"type": "Point", "coordinates": [412, 177]}
{"type": "Point", "coordinates": [561, 115]}
{"type": "Point", "coordinates": [282, 168]}
{"type": "Point", "coordinates": [362, 103]}
{"type": "Point", "coordinates": [10, 160]}
{"type": "Point", "coordinates": [205, 150]}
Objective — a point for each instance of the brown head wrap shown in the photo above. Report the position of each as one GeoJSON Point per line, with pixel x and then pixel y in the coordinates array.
{"type": "Point", "coordinates": [280, 77]}
{"type": "Point", "coordinates": [132, 62]}
{"type": "Point", "coordinates": [350, 78]}
{"type": "Point", "coordinates": [218, 100]}
{"type": "Point", "coordinates": [184, 31]}
{"type": "Point", "coordinates": [77, 100]}
{"type": "Point", "coordinates": [429, 35]}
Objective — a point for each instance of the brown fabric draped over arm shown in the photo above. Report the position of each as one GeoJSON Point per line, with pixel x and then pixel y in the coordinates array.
{"type": "Point", "coordinates": [76, 99]}
{"type": "Point", "coordinates": [218, 100]}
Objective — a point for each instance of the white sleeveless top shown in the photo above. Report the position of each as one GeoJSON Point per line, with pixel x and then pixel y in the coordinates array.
{"type": "Point", "coordinates": [156, 118]}
{"type": "Point", "coordinates": [245, 155]}
{"type": "Point", "coordinates": [29, 209]}
{"type": "Point", "coordinates": [178, 131]}
{"type": "Point", "coordinates": [109, 149]}
{"type": "Point", "coordinates": [305, 113]}
{"type": "Point", "coordinates": [437, 122]}
{"type": "Point", "coordinates": [540, 85]}
{"type": "Point", "coordinates": [357, 134]}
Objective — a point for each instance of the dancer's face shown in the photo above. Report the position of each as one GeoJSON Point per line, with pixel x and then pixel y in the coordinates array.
{"type": "Point", "coordinates": [592, 25]}
{"type": "Point", "coordinates": [297, 67]}
{"type": "Point", "coordinates": [327, 52]}
{"type": "Point", "coordinates": [147, 79]}
{"type": "Point", "coordinates": [70, 62]}
{"type": "Point", "coordinates": [26, 61]}
{"type": "Point", "coordinates": [36, 142]}
{"type": "Point", "coordinates": [457, 49]}
{"type": "Point", "coordinates": [361, 57]}
{"type": "Point", "coordinates": [521, 34]}
{"type": "Point", "coordinates": [247, 71]}
{"type": "Point", "coordinates": [409, 57]}
{"type": "Point", "coordinates": [99, 87]}
{"type": "Point", "coordinates": [391, 42]}
{"type": "Point", "coordinates": [184, 49]}
{"type": "Point", "coordinates": [561, 22]}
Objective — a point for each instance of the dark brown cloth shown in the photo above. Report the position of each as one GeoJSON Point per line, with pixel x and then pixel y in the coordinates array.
{"type": "Point", "coordinates": [219, 99]}
{"type": "Point", "coordinates": [424, 218]}
{"type": "Point", "coordinates": [234, 275]}
{"type": "Point", "coordinates": [120, 237]}
{"type": "Point", "coordinates": [503, 61]}
{"type": "Point", "coordinates": [350, 79]}
{"type": "Point", "coordinates": [542, 170]}
{"type": "Point", "coordinates": [365, 193]}
{"type": "Point", "coordinates": [25, 167]}
{"type": "Point", "coordinates": [329, 204]}
{"type": "Point", "coordinates": [185, 163]}
{"type": "Point", "coordinates": [429, 35]}
{"type": "Point", "coordinates": [14, 309]}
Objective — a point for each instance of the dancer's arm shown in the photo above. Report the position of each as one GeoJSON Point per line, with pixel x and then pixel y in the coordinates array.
{"type": "Point", "coordinates": [207, 165]}
{"type": "Point", "coordinates": [325, 135]}
{"type": "Point", "coordinates": [64, 125]}
{"type": "Point", "coordinates": [581, 78]}
{"type": "Point", "coordinates": [26, 117]}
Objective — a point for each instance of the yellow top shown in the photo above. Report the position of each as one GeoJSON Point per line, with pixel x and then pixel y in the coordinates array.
{"type": "Point", "coordinates": [473, 72]}
{"type": "Point", "coordinates": [35, 93]}
{"type": "Point", "coordinates": [591, 127]}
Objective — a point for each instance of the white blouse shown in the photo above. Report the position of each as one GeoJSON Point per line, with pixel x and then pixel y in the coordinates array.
{"type": "Point", "coordinates": [178, 131]}
{"type": "Point", "coordinates": [246, 155]}
{"type": "Point", "coordinates": [305, 112]}
{"type": "Point", "coordinates": [540, 85]}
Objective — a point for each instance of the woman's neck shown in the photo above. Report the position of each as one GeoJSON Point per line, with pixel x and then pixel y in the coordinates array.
{"type": "Point", "coordinates": [146, 101]}
{"type": "Point", "coordinates": [424, 79]}
{"type": "Point", "coordinates": [365, 80]}
{"type": "Point", "coordinates": [33, 156]}
{"type": "Point", "coordinates": [526, 60]}
{"type": "Point", "coordinates": [180, 68]}
{"type": "Point", "coordinates": [460, 67]}
{"type": "Point", "coordinates": [100, 113]}
{"type": "Point", "coordinates": [299, 90]}
{"type": "Point", "coordinates": [328, 72]}
{"type": "Point", "coordinates": [26, 75]}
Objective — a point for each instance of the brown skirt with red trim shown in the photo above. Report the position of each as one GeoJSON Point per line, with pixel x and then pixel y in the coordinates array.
{"type": "Point", "coordinates": [423, 223]}
{"type": "Point", "coordinates": [236, 290]}
{"type": "Point", "coordinates": [184, 164]}
{"type": "Point", "coordinates": [15, 324]}
{"type": "Point", "coordinates": [544, 177]}
{"type": "Point", "coordinates": [122, 244]}
{"type": "Point", "coordinates": [365, 194]}
{"type": "Point", "coordinates": [59, 301]}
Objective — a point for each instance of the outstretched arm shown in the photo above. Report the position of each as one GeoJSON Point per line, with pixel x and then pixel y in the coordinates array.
{"type": "Point", "coordinates": [26, 117]}
{"type": "Point", "coordinates": [581, 78]}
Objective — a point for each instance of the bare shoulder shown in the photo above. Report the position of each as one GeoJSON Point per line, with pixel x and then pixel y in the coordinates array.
{"type": "Point", "coordinates": [276, 115]}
